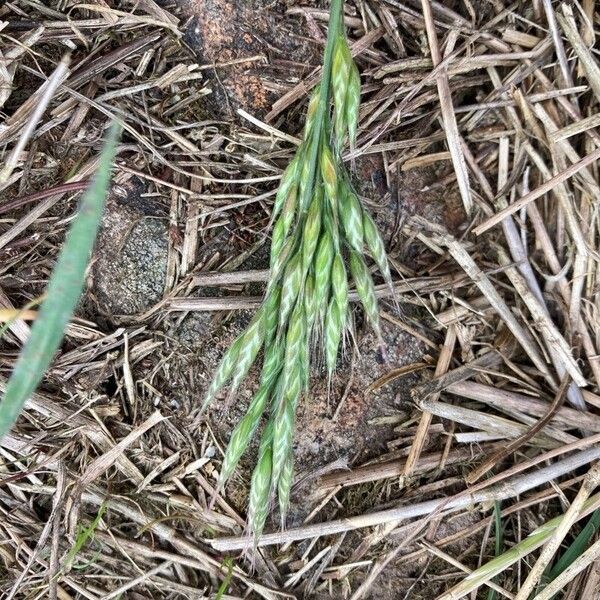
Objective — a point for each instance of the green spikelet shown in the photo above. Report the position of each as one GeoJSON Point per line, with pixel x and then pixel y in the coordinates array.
{"type": "Point", "coordinates": [322, 267]}
{"type": "Point", "coordinates": [271, 314]}
{"type": "Point", "coordinates": [283, 224]}
{"type": "Point", "coordinates": [284, 486]}
{"type": "Point", "coordinates": [304, 194]}
{"type": "Point", "coordinates": [305, 362]}
{"type": "Point", "coordinates": [290, 207]}
{"type": "Point", "coordinates": [376, 248]}
{"type": "Point", "coordinates": [253, 340]}
{"type": "Point", "coordinates": [289, 180]}
{"type": "Point", "coordinates": [260, 485]}
{"type": "Point", "coordinates": [365, 289]}
{"type": "Point", "coordinates": [342, 62]}
{"type": "Point", "coordinates": [272, 365]}
{"type": "Point", "coordinates": [279, 262]}
{"type": "Point", "coordinates": [290, 287]}
{"type": "Point", "coordinates": [224, 370]}
{"type": "Point", "coordinates": [242, 434]}
{"type": "Point", "coordinates": [339, 283]}
{"type": "Point", "coordinates": [311, 112]}
{"type": "Point", "coordinates": [283, 429]}
{"type": "Point", "coordinates": [277, 239]}
{"type": "Point", "coordinates": [329, 173]}
{"type": "Point", "coordinates": [332, 335]}
{"type": "Point", "coordinates": [312, 227]}
{"type": "Point", "coordinates": [310, 305]}
{"type": "Point", "coordinates": [353, 103]}
{"type": "Point", "coordinates": [351, 216]}
{"type": "Point", "coordinates": [295, 339]}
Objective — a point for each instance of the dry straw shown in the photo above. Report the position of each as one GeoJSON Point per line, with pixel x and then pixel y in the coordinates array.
{"type": "Point", "coordinates": [320, 236]}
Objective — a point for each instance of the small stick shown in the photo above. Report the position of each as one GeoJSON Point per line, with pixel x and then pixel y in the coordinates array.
{"type": "Point", "coordinates": [505, 399]}
{"type": "Point", "coordinates": [501, 454]}
{"type": "Point", "coordinates": [447, 110]}
{"type": "Point", "coordinates": [515, 487]}
{"type": "Point", "coordinates": [550, 333]}
{"type": "Point", "coordinates": [498, 426]}
{"type": "Point", "coordinates": [586, 58]}
{"type": "Point", "coordinates": [455, 563]}
{"type": "Point", "coordinates": [538, 192]}
{"type": "Point", "coordinates": [486, 361]}
{"type": "Point", "coordinates": [421, 433]}
{"type": "Point", "coordinates": [558, 43]}
{"type": "Point", "coordinates": [47, 92]}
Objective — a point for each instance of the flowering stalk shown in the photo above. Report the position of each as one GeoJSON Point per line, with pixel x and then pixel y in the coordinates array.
{"type": "Point", "coordinates": [320, 235]}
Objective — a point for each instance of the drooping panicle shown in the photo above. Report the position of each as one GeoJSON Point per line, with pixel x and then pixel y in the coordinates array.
{"type": "Point", "coordinates": [320, 232]}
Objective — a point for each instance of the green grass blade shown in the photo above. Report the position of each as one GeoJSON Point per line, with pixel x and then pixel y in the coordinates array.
{"type": "Point", "coordinates": [578, 547]}
{"type": "Point", "coordinates": [488, 571]}
{"type": "Point", "coordinates": [83, 535]}
{"type": "Point", "coordinates": [64, 289]}
{"type": "Point", "coordinates": [492, 594]}
{"type": "Point", "coordinates": [228, 562]}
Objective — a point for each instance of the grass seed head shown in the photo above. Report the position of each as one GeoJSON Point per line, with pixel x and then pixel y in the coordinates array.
{"type": "Point", "coordinates": [316, 216]}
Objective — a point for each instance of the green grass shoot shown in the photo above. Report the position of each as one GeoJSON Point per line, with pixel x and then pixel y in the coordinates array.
{"type": "Point", "coordinates": [578, 547]}
{"type": "Point", "coordinates": [228, 563]}
{"type": "Point", "coordinates": [63, 292]}
{"type": "Point", "coordinates": [499, 542]}
{"type": "Point", "coordinates": [83, 535]}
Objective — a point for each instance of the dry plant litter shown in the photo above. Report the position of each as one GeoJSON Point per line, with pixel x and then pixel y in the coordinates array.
{"type": "Point", "coordinates": [476, 153]}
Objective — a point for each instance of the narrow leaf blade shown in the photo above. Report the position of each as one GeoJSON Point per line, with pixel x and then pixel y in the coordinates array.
{"type": "Point", "coordinates": [64, 289]}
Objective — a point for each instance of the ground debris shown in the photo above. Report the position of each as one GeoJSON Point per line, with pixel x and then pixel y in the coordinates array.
{"type": "Point", "coordinates": [477, 156]}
